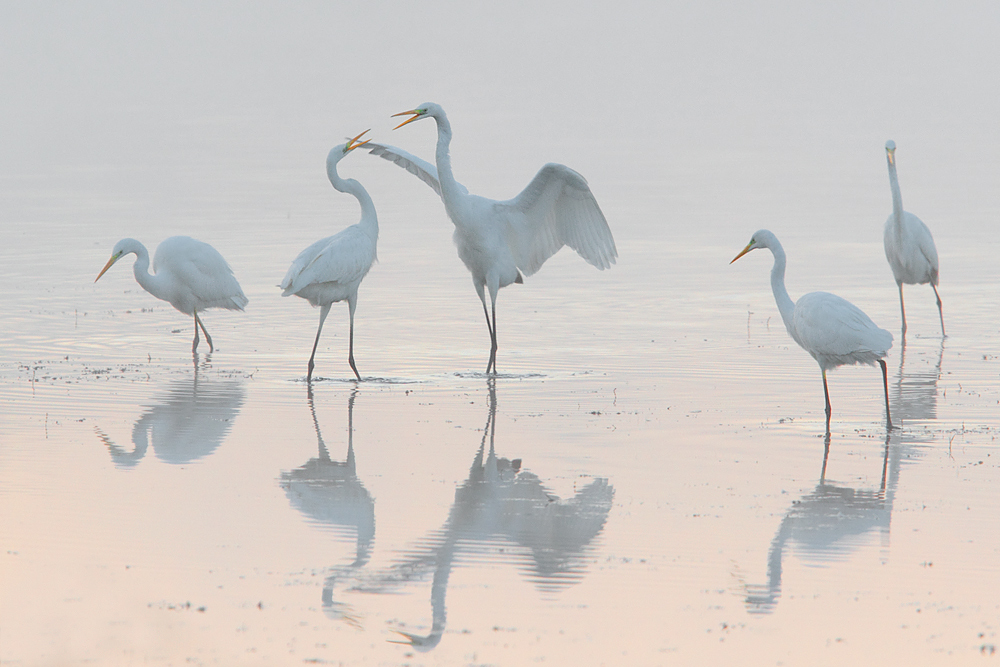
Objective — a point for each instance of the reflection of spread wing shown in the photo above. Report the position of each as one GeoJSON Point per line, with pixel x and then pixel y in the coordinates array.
{"type": "Point", "coordinates": [557, 208]}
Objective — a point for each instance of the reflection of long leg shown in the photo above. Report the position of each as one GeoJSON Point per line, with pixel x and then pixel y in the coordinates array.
{"type": "Point", "coordinates": [208, 339]}
{"type": "Point", "coordinates": [902, 310]}
{"type": "Point", "coordinates": [940, 312]}
{"type": "Point", "coordinates": [885, 385]}
{"type": "Point", "coordinates": [352, 302]}
{"type": "Point", "coordinates": [323, 312]}
{"type": "Point", "coordinates": [826, 392]}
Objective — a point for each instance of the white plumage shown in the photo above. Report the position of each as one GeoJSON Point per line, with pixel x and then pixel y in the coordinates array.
{"type": "Point", "coordinates": [909, 245]}
{"type": "Point", "coordinates": [833, 330]}
{"type": "Point", "coordinates": [501, 241]}
{"type": "Point", "coordinates": [332, 269]}
{"type": "Point", "coordinates": [188, 274]}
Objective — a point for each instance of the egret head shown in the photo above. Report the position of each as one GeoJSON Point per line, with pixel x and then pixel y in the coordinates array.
{"type": "Point", "coordinates": [338, 152]}
{"type": "Point", "coordinates": [122, 248]}
{"type": "Point", "coordinates": [426, 110]}
{"type": "Point", "coordinates": [890, 150]}
{"type": "Point", "coordinates": [760, 239]}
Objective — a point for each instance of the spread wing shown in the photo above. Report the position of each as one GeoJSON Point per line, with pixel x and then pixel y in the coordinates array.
{"type": "Point", "coordinates": [422, 169]}
{"type": "Point", "coordinates": [557, 208]}
{"type": "Point", "coordinates": [342, 258]}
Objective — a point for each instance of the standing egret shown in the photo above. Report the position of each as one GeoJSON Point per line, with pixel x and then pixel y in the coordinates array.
{"type": "Point", "coordinates": [909, 246]}
{"type": "Point", "coordinates": [331, 269]}
{"type": "Point", "coordinates": [833, 330]}
{"type": "Point", "coordinates": [502, 241]}
{"type": "Point", "coordinates": [190, 276]}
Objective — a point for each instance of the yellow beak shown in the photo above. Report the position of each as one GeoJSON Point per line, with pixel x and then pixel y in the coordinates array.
{"type": "Point", "coordinates": [417, 113]}
{"type": "Point", "coordinates": [114, 258]}
{"type": "Point", "coordinates": [744, 251]}
{"type": "Point", "coordinates": [351, 145]}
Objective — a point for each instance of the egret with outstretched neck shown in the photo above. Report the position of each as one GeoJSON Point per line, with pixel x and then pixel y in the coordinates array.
{"type": "Point", "coordinates": [500, 242]}
{"type": "Point", "coordinates": [909, 245]}
{"type": "Point", "coordinates": [331, 269]}
{"type": "Point", "coordinates": [833, 330]}
{"type": "Point", "coordinates": [189, 274]}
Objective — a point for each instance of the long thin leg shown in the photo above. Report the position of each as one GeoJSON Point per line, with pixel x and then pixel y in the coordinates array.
{"type": "Point", "coordinates": [885, 385]}
{"type": "Point", "coordinates": [323, 312]}
{"type": "Point", "coordinates": [194, 345]}
{"type": "Point", "coordinates": [940, 312]}
{"type": "Point", "coordinates": [902, 310]}
{"type": "Point", "coordinates": [352, 302]}
{"type": "Point", "coordinates": [208, 339]}
{"type": "Point", "coordinates": [489, 325]}
{"type": "Point", "coordinates": [826, 392]}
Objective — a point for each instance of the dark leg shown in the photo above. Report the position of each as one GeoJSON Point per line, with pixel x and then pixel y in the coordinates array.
{"type": "Point", "coordinates": [885, 385]}
{"type": "Point", "coordinates": [194, 345]}
{"type": "Point", "coordinates": [826, 392]}
{"type": "Point", "coordinates": [902, 310]}
{"type": "Point", "coordinates": [208, 339]}
{"type": "Point", "coordinates": [493, 335]}
{"type": "Point", "coordinates": [351, 303]}
{"type": "Point", "coordinates": [940, 312]}
{"type": "Point", "coordinates": [323, 312]}
{"type": "Point", "coordinates": [493, 346]}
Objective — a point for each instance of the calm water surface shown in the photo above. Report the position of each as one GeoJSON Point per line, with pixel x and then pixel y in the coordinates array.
{"type": "Point", "coordinates": [646, 481]}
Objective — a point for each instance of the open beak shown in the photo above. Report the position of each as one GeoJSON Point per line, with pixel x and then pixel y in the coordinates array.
{"type": "Point", "coordinates": [351, 145]}
{"type": "Point", "coordinates": [417, 113]}
{"type": "Point", "coordinates": [114, 258]}
{"type": "Point", "coordinates": [750, 246]}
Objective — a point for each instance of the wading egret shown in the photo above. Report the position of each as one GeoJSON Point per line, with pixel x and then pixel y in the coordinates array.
{"type": "Point", "coordinates": [909, 246]}
{"type": "Point", "coordinates": [189, 275]}
{"type": "Point", "coordinates": [833, 330]}
{"type": "Point", "coordinates": [502, 241]}
{"type": "Point", "coordinates": [331, 269]}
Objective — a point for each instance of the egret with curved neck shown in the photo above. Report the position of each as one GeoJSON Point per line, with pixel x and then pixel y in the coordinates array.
{"type": "Point", "coordinates": [501, 241]}
{"type": "Point", "coordinates": [909, 245]}
{"type": "Point", "coordinates": [332, 269]}
{"type": "Point", "coordinates": [833, 330]}
{"type": "Point", "coordinates": [190, 275]}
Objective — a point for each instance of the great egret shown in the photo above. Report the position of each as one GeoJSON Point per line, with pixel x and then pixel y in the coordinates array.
{"type": "Point", "coordinates": [189, 275]}
{"type": "Point", "coordinates": [909, 246]}
{"type": "Point", "coordinates": [502, 241]}
{"type": "Point", "coordinates": [833, 330]}
{"type": "Point", "coordinates": [331, 269]}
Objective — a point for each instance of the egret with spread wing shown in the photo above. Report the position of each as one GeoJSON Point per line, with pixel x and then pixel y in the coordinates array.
{"type": "Point", "coordinates": [909, 246]}
{"type": "Point", "coordinates": [502, 241]}
{"type": "Point", "coordinates": [331, 269]}
{"type": "Point", "coordinates": [833, 330]}
{"type": "Point", "coordinates": [189, 275]}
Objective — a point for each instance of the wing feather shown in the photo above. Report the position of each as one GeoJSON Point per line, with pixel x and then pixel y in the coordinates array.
{"type": "Point", "coordinates": [422, 169]}
{"type": "Point", "coordinates": [343, 258]}
{"type": "Point", "coordinates": [201, 270]}
{"type": "Point", "coordinates": [835, 331]}
{"type": "Point", "coordinates": [557, 208]}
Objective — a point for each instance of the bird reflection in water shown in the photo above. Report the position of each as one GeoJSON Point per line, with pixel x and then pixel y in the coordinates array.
{"type": "Point", "coordinates": [188, 422]}
{"type": "Point", "coordinates": [329, 493]}
{"type": "Point", "coordinates": [499, 503]}
{"type": "Point", "coordinates": [831, 521]}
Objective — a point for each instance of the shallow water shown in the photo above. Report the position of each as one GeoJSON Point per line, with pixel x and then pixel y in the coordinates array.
{"type": "Point", "coordinates": [645, 482]}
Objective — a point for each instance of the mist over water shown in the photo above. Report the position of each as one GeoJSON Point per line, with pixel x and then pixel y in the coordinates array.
{"type": "Point", "coordinates": [646, 481]}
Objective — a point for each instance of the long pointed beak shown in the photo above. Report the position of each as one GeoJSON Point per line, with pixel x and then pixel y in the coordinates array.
{"type": "Point", "coordinates": [743, 252]}
{"type": "Point", "coordinates": [114, 258]}
{"type": "Point", "coordinates": [891, 154]}
{"type": "Point", "coordinates": [351, 145]}
{"type": "Point", "coordinates": [416, 114]}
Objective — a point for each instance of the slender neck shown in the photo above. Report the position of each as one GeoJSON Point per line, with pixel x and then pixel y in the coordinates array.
{"type": "Point", "coordinates": [897, 198]}
{"type": "Point", "coordinates": [149, 282]}
{"type": "Point", "coordinates": [785, 304]}
{"type": "Point", "coordinates": [449, 186]}
{"type": "Point", "coordinates": [369, 219]}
